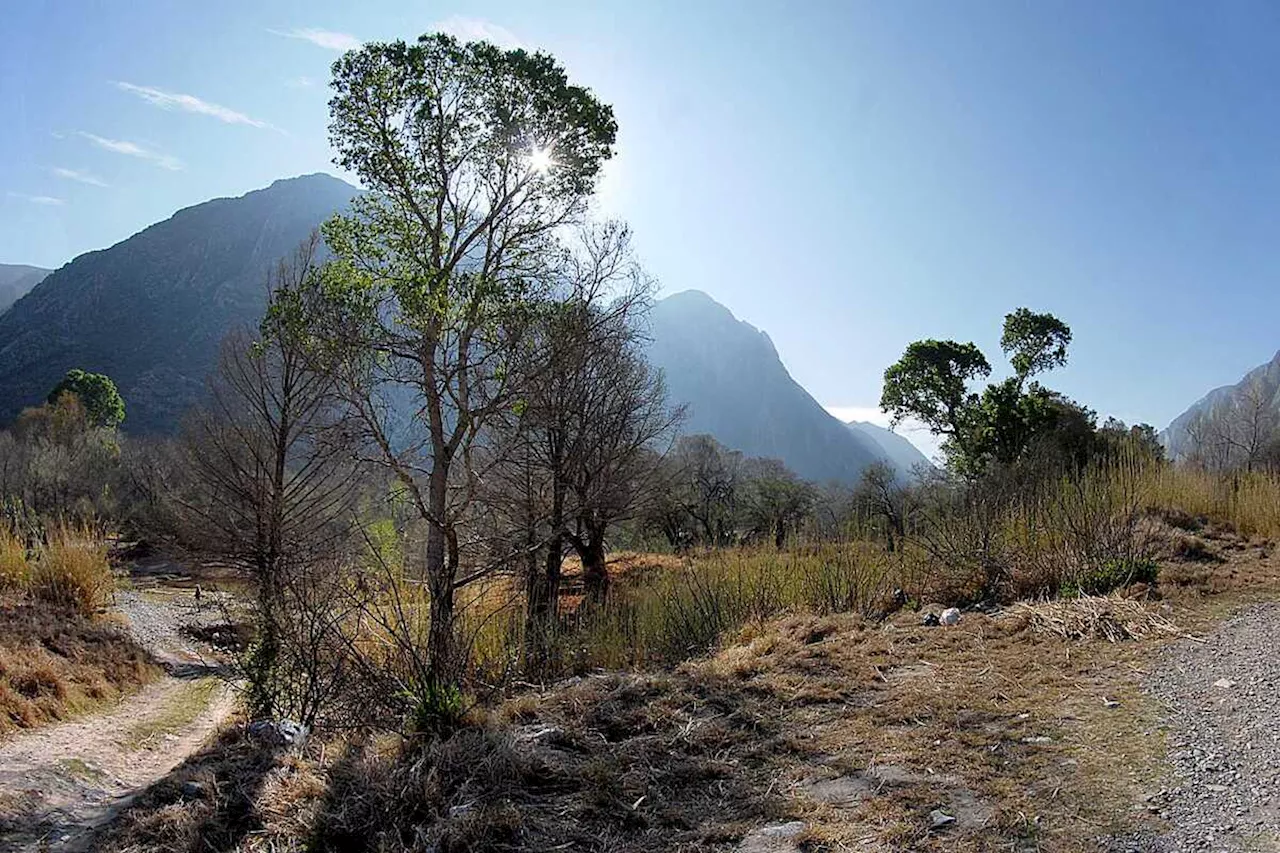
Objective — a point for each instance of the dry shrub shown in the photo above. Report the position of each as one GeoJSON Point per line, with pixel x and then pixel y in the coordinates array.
{"type": "Point", "coordinates": [1109, 618]}
{"type": "Point", "coordinates": [73, 569]}
{"type": "Point", "coordinates": [54, 662]}
{"type": "Point", "coordinates": [15, 570]}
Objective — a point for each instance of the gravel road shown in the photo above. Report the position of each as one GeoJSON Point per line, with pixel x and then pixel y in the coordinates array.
{"type": "Point", "coordinates": [1223, 735]}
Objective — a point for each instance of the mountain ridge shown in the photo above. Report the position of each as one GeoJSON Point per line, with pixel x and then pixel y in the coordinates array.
{"type": "Point", "coordinates": [730, 376]}
{"type": "Point", "coordinates": [17, 280]}
{"type": "Point", "coordinates": [151, 310]}
{"type": "Point", "coordinates": [1174, 435]}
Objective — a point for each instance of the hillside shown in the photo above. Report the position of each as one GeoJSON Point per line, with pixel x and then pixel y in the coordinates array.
{"type": "Point", "coordinates": [1174, 436]}
{"type": "Point", "coordinates": [150, 311]}
{"type": "Point", "coordinates": [904, 456]}
{"type": "Point", "coordinates": [737, 389]}
{"type": "Point", "coordinates": [16, 280]}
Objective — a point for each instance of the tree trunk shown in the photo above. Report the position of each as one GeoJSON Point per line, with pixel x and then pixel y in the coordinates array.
{"type": "Point", "coordinates": [779, 534]}
{"type": "Point", "coordinates": [440, 640]}
{"type": "Point", "coordinates": [595, 576]}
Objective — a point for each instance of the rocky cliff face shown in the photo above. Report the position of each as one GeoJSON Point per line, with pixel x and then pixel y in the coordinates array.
{"type": "Point", "coordinates": [1174, 436]}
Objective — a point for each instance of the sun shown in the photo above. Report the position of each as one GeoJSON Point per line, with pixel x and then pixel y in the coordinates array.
{"type": "Point", "coordinates": [540, 160]}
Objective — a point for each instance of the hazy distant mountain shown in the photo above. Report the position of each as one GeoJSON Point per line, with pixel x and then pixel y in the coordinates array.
{"type": "Point", "coordinates": [737, 389]}
{"type": "Point", "coordinates": [16, 280]}
{"type": "Point", "coordinates": [1174, 436]}
{"type": "Point", "coordinates": [896, 450]}
{"type": "Point", "coordinates": [151, 311]}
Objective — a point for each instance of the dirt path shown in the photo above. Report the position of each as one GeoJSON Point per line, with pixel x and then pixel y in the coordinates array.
{"type": "Point", "coordinates": [59, 783]}
{"type": "Point", "coordinates": [1222, 712]}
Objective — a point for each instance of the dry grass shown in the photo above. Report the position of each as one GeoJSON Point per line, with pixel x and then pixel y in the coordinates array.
{"type": "Point", "coordinates": [55, 663]}
{"type": "Point", "coordinates": [860, 731]}
{"type": "Point", "coordinates": [15, 570]}
{"type": "Point", "coordinates": [1108, 617]}
{"type": "Point", "coordinates": [726, 690]}
{"type": "Point", "coordinates": [72, 569]}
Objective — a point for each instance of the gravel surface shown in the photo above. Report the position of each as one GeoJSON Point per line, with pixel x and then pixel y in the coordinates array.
{"type": "Point", "coordinates": [160, 618]}
{"type": "Point", "coordinates": [1223, 736]}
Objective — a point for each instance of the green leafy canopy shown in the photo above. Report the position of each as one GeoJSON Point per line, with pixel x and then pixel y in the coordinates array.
{"type": "Point", "coordinates": [102, 402]}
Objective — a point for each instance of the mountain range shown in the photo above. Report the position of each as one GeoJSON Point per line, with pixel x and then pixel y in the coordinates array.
{"type": "Point", "coordinates": [1265, 376]}
{"type": "Point", "coordinates": [735, 387]}
{"type": "Point", "coordinates": [151, 311]}
{"type": "Point", "coordinates": [16, 280]}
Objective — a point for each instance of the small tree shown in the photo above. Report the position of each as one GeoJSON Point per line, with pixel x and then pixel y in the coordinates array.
{"type": "Point", "coordinates": [272, 493]}
{"type": "Point", "coordinates": [777, 501]}
{"type": "Point", "coordinates": [98, 394]}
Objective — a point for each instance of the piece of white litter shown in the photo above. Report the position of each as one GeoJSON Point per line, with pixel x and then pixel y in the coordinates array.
{"type": "Point", "coordinates": [1224, 683]}
{"type": "Point", "coordinates": [950, 616]}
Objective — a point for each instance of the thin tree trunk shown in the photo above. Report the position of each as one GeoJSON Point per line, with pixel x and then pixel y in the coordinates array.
{"type": "Point", "coordinates": [595, 575]}
{"type": "Point", "coordinates": [440, 639]}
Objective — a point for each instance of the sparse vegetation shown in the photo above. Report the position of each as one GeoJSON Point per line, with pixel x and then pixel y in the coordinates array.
{"type": "Point", "coordinates": [55, 662]}
{"type": "Point", "coordinates": [428, 456]}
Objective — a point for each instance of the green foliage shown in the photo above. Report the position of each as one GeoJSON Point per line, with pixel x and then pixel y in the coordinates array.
{"type": "Point", "coordinates": [435, 710]}
{"type": "Point", "coordinates": [931, 383]}
{"type": "Point", "coordinates": [102, 402]}
{"type": "Point", "coordinates": [1111, 575]}
{"type": "Point", "coordinates": [1034, 342]}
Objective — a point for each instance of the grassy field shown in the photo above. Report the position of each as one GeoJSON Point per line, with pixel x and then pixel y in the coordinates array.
{"type": "Point", "coordinates": [727, 690]}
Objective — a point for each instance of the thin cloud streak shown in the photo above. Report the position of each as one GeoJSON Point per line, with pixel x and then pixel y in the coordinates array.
{"type": "Point", "coordinates": [477, 29]}
{"type": "Point", "coordinates": [47, 200]}
{"type": "Point", "coordinates": [132, 149]}
{"type": "Point", "coordinates": [77, 175]}
{"type": "Point", "coordinates": [189, 103]}
{"type": "Point", "coordinates": [327, 39]}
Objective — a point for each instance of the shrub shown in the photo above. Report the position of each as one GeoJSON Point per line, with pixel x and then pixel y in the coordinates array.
{"type": "Point", "coordinates": [1112, 575]}
{"type": "Point", "coordinates": [72, 569]}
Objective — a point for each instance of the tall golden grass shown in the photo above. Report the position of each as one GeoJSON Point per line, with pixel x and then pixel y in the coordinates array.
{"type": "Point", "coordinates": [72, 569]}
{"type": "Point", "coordinates": [15, 569]}
{"type": "Point", "coordinates": [1247, 502]}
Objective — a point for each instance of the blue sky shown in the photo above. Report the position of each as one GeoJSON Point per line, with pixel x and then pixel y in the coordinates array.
{"type": "Point", "coordinates": [847, 176]}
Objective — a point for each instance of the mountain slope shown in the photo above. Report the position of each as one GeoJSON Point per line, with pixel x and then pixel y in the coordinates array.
{"type": "Point", "coordinates": [151, 311]}
{"type": "Point", "coordinates": [904, 456]}
{"type": "Point", "coordinates": [736, 388]}
{"type": "Point", "coordinates": [15, 282]}
{"type": "Point", "coordinates": [1174, 436]}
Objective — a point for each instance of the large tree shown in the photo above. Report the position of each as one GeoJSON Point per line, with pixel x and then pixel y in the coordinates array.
{"type": "Point", "coordinates": [474, 158]}
{"type": "Point", "coordinates": [932, 383]}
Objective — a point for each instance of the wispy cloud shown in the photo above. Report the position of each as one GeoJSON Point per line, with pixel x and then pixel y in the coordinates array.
{"type": "Point", "coordinates": [477, 29]}
{"type": "Point", "coordinates": [47, 200]}
{"type": "Point", "coordinates": [300, 82]}
{"type": "Point", "coordinates": [327, 39]}
{"type": "Point", "coordinates": [133, 149]}
{"type": "Point", "coordinates": [77, 175]}
{"type": "Point", "coordinates": [189, 103]}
